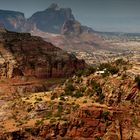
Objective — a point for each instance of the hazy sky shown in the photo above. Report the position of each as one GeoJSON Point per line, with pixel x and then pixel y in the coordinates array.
{"type": "Point", "coordinates": [102, 15]}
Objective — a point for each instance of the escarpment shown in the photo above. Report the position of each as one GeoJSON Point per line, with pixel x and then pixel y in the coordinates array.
{"type": "Point", "coordinates": [25, 55]}
{"type": "Point", "coordinates": [27, 61]}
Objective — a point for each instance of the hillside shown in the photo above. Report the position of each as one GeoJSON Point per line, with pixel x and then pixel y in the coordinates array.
{"type": "Point", "coordinates": [90, 105]}
{"type": "Point", "coordinates": [26, 62]}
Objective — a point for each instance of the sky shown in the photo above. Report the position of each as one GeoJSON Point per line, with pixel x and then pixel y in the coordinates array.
{"type": "Point", "coordinates": [101, 15]}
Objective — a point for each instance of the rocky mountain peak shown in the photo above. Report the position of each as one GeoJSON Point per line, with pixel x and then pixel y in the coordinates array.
{"type": "Point", "coordinates": [52, 19]}
{"type": "Point", "coordinates": [49, 20]}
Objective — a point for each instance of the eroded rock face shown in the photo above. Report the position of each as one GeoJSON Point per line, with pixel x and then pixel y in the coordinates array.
{"type": "Point", "coordinates": [12, 20]}
{"type": "Point", "coordinates": [52, 19]}
{"type": "Point", "coordinates": [24, 55]}
{"type": "Point", "coordinates": [71, 27]}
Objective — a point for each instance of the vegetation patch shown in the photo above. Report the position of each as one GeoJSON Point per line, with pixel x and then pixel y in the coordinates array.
{"type": "Point", "coordinates": [39, 122]}
{"type": "Point", "coordinates": [108, 69]}
{"type": "Point", "coordinates": [137, 80]}
{"type": "Point", "coordinates": [85, 72]}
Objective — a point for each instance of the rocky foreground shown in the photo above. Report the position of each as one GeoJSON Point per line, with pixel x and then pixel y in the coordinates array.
{"type": "Point", "coordinates": [92, 105]}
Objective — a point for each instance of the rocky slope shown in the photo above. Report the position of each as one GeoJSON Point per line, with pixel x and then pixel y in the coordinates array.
{"type": "Point", "coordinates": [88, 106]}
{"type": "Point", "coordinates": [23, 56]}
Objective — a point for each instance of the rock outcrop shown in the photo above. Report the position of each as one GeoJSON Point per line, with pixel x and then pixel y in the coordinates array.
{"type": "Point", "coordinates": [25, 55]}
{"type": "Point", "coordinates": [27, 61]}
{"type": "Point", "coordinates": [72, 28]}
{"type": "Point", "coordinates": [88, 106]}
{"type": "Point", "coordinates": [13, 20]}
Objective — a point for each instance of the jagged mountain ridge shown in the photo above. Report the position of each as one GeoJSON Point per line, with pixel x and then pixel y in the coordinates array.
{"type": "Point", "coordinates": [50, 20]}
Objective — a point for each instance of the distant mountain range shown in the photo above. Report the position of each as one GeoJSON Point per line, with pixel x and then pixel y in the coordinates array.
{"type": "Point", "coordinates": [53, 20]}
{"type": "Point", "coordinates": [56, 25]}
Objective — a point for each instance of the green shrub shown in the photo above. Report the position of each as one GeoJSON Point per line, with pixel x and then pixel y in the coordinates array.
{"type": "Point", "coordinates": [105, 115]}
{"type": "Point", "coordinates": [61, 103]}
{"type": "Point", "coordinates": [38, 99]}
{"type": "Point", "coordinates": [120, 62]}
{"type": "Point", "coordinates": [82, 89]}
{"type": "Point", "coordinates": [79, 73]}
{"type": "Point", "coordinates": [114, 70]}
{"type": "Point", "coordinates": [124, 76]}
{"type": "Point", "coordinates": [69, 89]}
{"type": "Point", "coordinates": [59, 111]}
{"type": "Point", "coordinates": [96, 86]}
{"type": "Point", "coordinates": [52, 97]}
{"type": "Point", "coordinates": [79, 80]}
{"type": "Point", "coordinates": [87, 112]}
{"type": "Point", "coordinates": [60, 108]}
{"type": "Point", "coordinates": [78, 94]}
{"type": "Point", "coordinates": [85, 72]}
{"type": "Point", "coordinates": [85, 101]}
{"type": "Point", "coordinates": [100, 98]}
{"type": "Point", "coordinates": [39, 122]}
{"type": "Point", "coordinates": [137, 80]}
{"type": "Point", "coordinates": [48, 114]}
{"type": "Point", "coordinates": [89, 71]}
